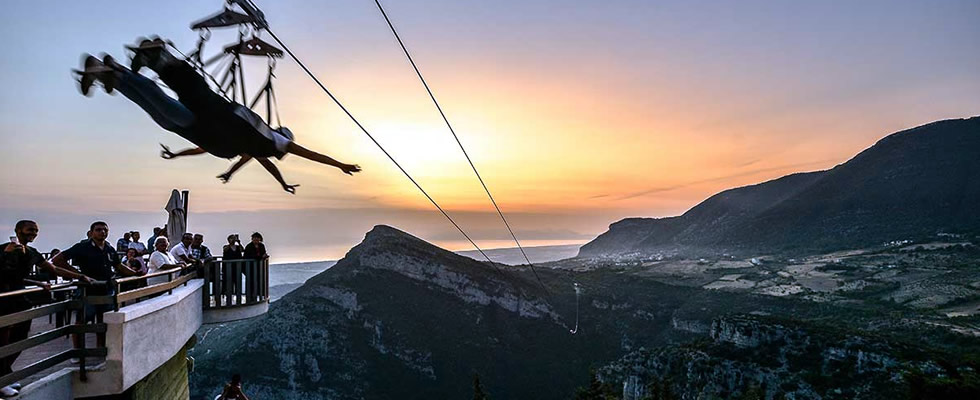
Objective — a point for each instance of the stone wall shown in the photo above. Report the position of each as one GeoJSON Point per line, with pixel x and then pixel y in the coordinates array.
{"type": "Point", "coordinates": [169, 382]}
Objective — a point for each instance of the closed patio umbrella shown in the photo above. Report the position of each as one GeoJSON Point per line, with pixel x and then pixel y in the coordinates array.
{"type": "Point", "coordinates": [176, 218]}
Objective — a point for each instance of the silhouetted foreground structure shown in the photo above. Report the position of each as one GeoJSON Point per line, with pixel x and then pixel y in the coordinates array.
{"type": "Point", "coordinates": [148, 331]}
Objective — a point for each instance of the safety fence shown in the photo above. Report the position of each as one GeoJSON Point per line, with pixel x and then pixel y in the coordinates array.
{"type": "Point", "coordinates": [235, 283]}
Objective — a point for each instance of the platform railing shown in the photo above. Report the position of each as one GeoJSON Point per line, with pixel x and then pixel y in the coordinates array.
{"type": "Point", "coordinates": [175, 277]}
{"type": "Point", "coordinates": [60, 304]}
{"type": "Point", "coordinates": [235, 283]}
{"type": "Point", "coordinates": [61, 309]}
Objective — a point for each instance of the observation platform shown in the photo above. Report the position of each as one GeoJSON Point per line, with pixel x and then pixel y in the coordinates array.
{"type": "Point", "coordinates": [147, 332]}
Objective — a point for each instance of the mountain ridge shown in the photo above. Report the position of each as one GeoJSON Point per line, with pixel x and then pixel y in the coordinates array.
{"type": "Point", "coordinates": [910, 183]}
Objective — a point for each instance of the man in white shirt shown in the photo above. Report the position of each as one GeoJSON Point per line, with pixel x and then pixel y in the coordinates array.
{"type": "Point", "coordinates": [182, 251]}
{"type": "Point", "coordinates": [161, 260]}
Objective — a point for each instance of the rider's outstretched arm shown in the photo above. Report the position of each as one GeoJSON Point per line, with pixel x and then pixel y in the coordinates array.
{"type": "Point", "coordinates": [269, 166]}
{"type": "Point", "coordinates": [168, 155]}
{"type": "Point", "coordinates": [320, 158]}
{"type": "Point", "coordinates": [225, 177]}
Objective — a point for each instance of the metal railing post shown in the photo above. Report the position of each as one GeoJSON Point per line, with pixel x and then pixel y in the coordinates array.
{"type": "Point", "coordinates": [116, 288]}
{"type": "Point", "coordinates": [83, 319]}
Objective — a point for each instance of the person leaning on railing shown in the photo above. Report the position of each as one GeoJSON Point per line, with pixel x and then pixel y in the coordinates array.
{"type": "Point", "coordinates": [97, 259]}
{"type": "Point", "coordinates": [182, 251]}
{"type": "Point", "coordinates": [255, 250]}
{"type": "Point", "coordinates": [134, 260]}
{"type": "Point", "coordinates": [17, 260]}
{"type": "Point", "coordinates": [161, 260]}
{"type": "Point", "coordinates": [199, 251]}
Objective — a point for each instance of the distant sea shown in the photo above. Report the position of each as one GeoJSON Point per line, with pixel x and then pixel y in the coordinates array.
{"type": "Point", "coordinates": [284, 278]}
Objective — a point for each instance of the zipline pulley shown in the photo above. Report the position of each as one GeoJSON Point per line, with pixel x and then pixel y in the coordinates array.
{"type": "Point", "coordinates": [227, 66]}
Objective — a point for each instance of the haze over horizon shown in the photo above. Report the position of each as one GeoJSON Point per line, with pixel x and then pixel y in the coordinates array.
{"type": "Point", "coordinates": [576, 115]}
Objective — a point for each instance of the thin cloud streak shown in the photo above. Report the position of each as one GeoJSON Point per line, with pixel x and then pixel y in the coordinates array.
{"type": "Point", "coordinates": [718, 179]}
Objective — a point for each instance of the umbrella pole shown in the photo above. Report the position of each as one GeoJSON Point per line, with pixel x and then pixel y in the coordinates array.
{"type": "Point", "coordinates": [185, 194]}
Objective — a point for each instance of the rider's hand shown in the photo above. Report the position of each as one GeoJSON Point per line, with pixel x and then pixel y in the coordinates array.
{"type": "Point", "coordinates": [290, 188]}
{"type": "Point", "coordinates": [166, 154]}
{"type": "Point", "coordinates": [350, 169]}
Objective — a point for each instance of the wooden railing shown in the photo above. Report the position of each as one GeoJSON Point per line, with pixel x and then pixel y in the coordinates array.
{"type": "Point", "coordinates": [62, 306]}
{"type": "Point", "coordinates": [175, 277]}
{"type": "Point", "coordinates": [235, 283]}
{"type": "Point", "coordinates": [62, 310]}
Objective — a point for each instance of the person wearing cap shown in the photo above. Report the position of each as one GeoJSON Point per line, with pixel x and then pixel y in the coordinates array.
{"type": "Point", "coordinates": [216, 125]}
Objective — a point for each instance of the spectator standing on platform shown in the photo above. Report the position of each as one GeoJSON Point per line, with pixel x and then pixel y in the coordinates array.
{"type": "Point", "coordinates": [123, 243]}
{"type": "Point", "coordinates": [255, 250]}
{"type": "Point", "coordinates": [161, 259]}
{"type": "Point", "coordinates": [96, 259]}
{"type": "Point", "coordinates": [233, 250]}
{"type": "Point", "coordinates": [199, 251]}
{"type": "Point", "coordinates": [150, 244]}
{"type": "Point", "coordinates": [17, 260]}
{"type": "Point", "coordinates": [137, 244]}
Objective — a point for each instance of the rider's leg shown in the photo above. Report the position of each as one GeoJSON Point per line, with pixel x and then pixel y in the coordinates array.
{"type": "Point", "coordinates": [190, 86]}
{"type": "Point", "coordinates": [166, 111]}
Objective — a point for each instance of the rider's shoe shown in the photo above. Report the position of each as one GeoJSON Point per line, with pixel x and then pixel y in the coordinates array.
{"type": "Point", "coordinates": [146, 54]}
{"type": "Point", "coordinates": [106, 73]}
{"type": "Point", "coordinates": [87, 79]}
{"type": "Point", "coordinates": [111, 62]}
{"type": "Point", "coordinates": [95, 70]}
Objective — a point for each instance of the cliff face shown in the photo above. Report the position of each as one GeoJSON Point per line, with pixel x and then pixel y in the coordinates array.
{"type": "Point", "coordinates": [766, 359]}
{"type": "Point", "coordinates": [397, 315]}
{"type": "Point", "coordinates": [917, 182]}
{"type": "Point", "coordinates": [400, 318]}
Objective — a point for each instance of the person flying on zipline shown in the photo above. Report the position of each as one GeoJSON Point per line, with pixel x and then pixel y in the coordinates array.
{"type": "Point", "coordinates": [216, 125]}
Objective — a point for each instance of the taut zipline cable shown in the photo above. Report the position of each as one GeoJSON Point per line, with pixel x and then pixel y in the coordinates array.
{"type": "Point", "coordinates": [366, 132]}
{"type": "Point", "coordinates": [455, 136]}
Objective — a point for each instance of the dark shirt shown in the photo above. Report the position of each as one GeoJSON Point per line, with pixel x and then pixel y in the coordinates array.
{"type": "Point", "coordinates": [94, 262]}
{"type": "Point", "coordinates": [217, 129]}
{"type": "Point", "coordinates": [253, 252]}
{"type": "Point", "coordinates": [16, 266]}
{"type": "Point", "coordinates": [232, 252]}
{"type": "Point", "coordinates": [202, 253]}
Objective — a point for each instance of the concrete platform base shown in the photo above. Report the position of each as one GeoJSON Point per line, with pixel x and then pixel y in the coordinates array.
{"type": "Point", "coordinates": [219, 315]}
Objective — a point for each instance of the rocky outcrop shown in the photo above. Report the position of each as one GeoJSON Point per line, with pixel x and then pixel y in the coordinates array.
{"type": "Point", "coordinates": [398, 314]}
{"type": "Point", "coordinates": [749, 354]}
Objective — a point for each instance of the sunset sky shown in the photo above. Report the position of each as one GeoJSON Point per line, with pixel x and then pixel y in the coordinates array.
{"type": "Point", "coordinates": [577, 113]}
